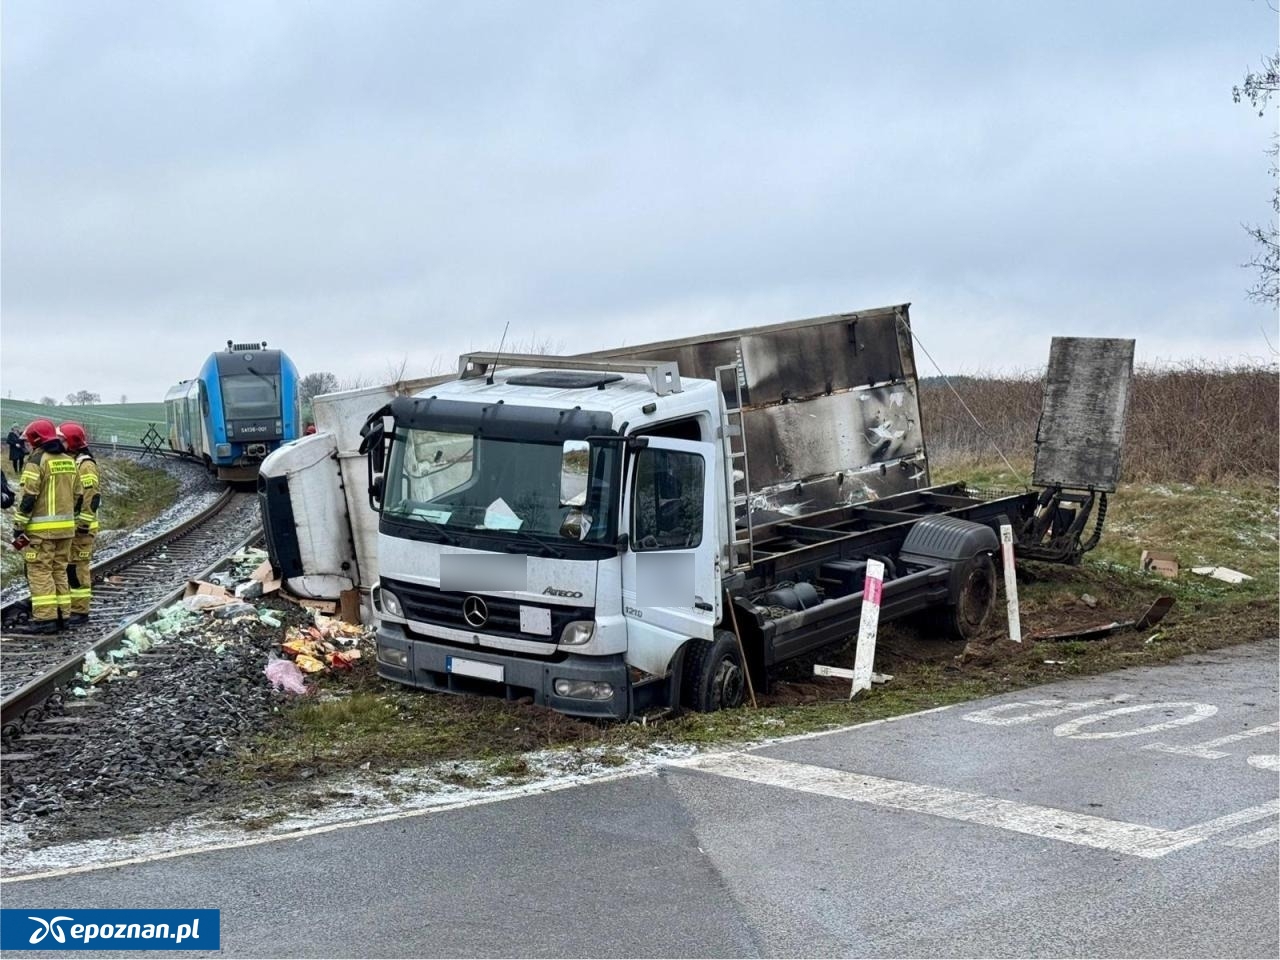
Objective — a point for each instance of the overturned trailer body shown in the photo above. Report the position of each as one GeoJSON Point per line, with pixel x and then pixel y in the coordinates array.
{"type": "Point", "coordinates": [725, 488]}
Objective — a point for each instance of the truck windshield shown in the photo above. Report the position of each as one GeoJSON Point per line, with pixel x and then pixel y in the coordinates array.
{"type": "Point", "coordinates": [455, 483]}
{"type": "Point", "coordinates": [251, 396]}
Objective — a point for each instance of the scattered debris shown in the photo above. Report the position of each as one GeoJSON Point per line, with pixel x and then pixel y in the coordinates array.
{"type": "Point", "coordinates": [94, 670]}
{"type": "Point", "coordinates": [1161, 562]}
{"type": "Point", "coordinates": [1089, 600]}
{"type": "Point", "coordinates": [204, 595]}
{"type": "Point", "coordinates": [1149, 618]}
{"type": "Point", "coordinates": [249, 590]}
{"type": "Point", "coordinates": [845, 673]}
{"type": "Point", "coordinates": [229, 611]}
{"type": "Point", "coordinates": [284, 675]}
{"type": "Point", "coordinates": [329, 644]}
{"type": "Point", "coordinates": [1225, 574]}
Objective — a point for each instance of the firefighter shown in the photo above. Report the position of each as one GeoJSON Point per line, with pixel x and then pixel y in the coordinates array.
{"type": "Point", "coordinates": [78, 576]}
{"type": "Point", "coordinates": [45, 524]}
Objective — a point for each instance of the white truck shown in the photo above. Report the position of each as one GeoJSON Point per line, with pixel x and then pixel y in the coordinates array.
{"type": "Point", "coordinates": [636, 528]}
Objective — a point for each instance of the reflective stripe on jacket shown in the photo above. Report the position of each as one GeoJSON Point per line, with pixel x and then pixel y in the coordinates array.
{"type": "Point", "coordinates": [50, 488]}
{"type": "Point", "coordinates": [87, 505]}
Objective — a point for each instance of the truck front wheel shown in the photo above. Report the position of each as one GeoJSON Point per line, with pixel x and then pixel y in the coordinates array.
{"type": "Point", "coordinates": [714, 678]}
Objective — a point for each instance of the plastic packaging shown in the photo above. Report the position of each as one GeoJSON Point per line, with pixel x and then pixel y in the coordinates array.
{"type": "Point", "coordinates": [203, 601]}
{"type": "Point", "coordinates": [285, 675]}
{"type": "Point", "coordinates": [230, 610]}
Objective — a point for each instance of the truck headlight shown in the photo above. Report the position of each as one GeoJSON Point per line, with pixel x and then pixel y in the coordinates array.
{"type": "Point", "coordinates": [388, 602]}
{"type": "Point", "coordinates": [584, 689]}
{"type": "Point", "coordinates": [222, 450]}
{"type": "Point", "coordinates": [577, 632]}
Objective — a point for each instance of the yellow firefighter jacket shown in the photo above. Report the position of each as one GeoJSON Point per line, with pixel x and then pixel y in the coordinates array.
{"type": "Point", "coordinates": [88, 504]}
{"type": "Point", "coordinates": [50, 488]}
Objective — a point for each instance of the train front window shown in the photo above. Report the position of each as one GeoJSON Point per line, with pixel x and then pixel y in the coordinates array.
{"type": "Point", "coordinates": [251, 396]}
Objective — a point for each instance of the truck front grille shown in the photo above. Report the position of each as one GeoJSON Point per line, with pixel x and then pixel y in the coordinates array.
{"type": "Point", "coordinates": [444, 608]}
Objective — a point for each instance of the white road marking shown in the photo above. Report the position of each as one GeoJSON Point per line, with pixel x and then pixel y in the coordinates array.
{"type": "Point", "coordinates": [1232, 820]}
{"type": "Point", "coordinates": [509, 793]}
{"type": "Point", "coordinates": [1264, 761]}
{"type": "Point", "coordinates": [1049, 823]}
{"type": "Point", "coordinates": [1199, 711]}
{"type": "Point", "coordinates": [1265, 837]}
{"type": "Point", "coordinates": [999, 715]}
{"type": "Point", "coordinates": [1208, 749]}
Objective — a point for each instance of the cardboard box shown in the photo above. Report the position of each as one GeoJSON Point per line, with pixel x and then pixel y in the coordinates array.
{"type": "Point", "coordinates": [1164, 563]}
{"type": "Point", "coordinates": [263, 575]}
{"type": "Point", "coordinates": [209, 596]}
{"type": "Point", "coordinates": [208, 589]}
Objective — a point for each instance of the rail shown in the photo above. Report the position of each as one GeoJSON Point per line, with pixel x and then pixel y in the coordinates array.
{"type": "Point", "coordinates": [31, 693]}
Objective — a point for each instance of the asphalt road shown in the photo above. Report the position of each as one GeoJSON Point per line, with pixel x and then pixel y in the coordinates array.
{"type": "Point", "coordinates": [1133, 814]}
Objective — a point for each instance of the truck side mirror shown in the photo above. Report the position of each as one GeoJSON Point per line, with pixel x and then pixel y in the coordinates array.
{"type": "Point", "coordinates": [373, 445]}
{"type": "Point", "coordinates": [575, 465]}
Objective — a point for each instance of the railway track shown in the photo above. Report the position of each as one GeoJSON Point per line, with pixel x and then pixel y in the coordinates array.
{"type": "Point", "coordinates": [127, 587]}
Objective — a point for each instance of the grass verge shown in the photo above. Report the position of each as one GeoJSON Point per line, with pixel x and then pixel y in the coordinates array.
{"type": "Point", "coordinates": [361, 722]}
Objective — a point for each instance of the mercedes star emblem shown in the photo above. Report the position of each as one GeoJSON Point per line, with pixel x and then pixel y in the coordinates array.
{"type": "Point", "coordinates": [475, 611]}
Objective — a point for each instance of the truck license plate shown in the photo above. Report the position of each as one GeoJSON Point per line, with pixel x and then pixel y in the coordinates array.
{"type": "Point", "coordinates": [473, 668]}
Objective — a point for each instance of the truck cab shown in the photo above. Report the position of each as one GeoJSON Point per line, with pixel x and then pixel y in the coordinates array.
{"type": "Point", "coordinates": [557, 534]}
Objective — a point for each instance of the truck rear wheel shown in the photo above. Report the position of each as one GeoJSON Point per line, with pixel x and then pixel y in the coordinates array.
{"type": "Point", "coordinates": [975, 601]}
{"type": "Point", "coordinates": [714, 678]}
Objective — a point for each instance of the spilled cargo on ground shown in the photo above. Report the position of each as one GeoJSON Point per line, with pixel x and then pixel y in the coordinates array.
{"type": "Point", "coordinates": [637, 528]}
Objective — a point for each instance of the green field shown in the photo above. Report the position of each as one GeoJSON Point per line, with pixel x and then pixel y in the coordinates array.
{"type": "Point", "coordinates": [125, 421]}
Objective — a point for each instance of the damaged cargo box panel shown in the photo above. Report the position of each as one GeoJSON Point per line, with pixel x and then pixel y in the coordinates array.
{"type": "Point", "coordinates": [830, 406]}
{"type": "Point", "coordinates": [1086, 395]}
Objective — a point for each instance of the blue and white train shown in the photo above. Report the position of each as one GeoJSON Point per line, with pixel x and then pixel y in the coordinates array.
{"type": "Point", "coordinates": [243, 405]}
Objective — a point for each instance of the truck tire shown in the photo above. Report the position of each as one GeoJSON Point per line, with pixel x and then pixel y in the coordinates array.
{"type": "Point", "coordinates": [714, 678]}
{"type": "Point", "coordinates": [975, 599]}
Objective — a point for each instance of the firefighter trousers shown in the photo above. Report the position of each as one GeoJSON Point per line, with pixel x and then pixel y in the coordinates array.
{"type": "Point", "coordinates": [47, 560]}
{"type": "Point", "coordinates": [78, 576]}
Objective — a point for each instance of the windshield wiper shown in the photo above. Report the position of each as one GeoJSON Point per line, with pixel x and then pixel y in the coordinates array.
{"type": "Point", "coordinates": [263, 377]}
{"type": "Point", "coordinates": [444, 535]}
{"type": "Point", "coordinates": [550, 548]}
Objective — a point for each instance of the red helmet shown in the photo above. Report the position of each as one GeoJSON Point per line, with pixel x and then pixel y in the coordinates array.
{"type": "Point", "coordinates": [40, 432]}
{"type": "Point", "coordinates": [73, 436]}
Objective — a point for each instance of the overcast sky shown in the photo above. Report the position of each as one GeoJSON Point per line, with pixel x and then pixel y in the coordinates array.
{"type": "Point", "coordinates": [366, 183]}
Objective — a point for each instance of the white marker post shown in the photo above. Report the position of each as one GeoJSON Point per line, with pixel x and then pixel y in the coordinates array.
{"type": "Point", "coordinates": [866, 653]}
{"type": "Point", "coordinates": [1010, 582]}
